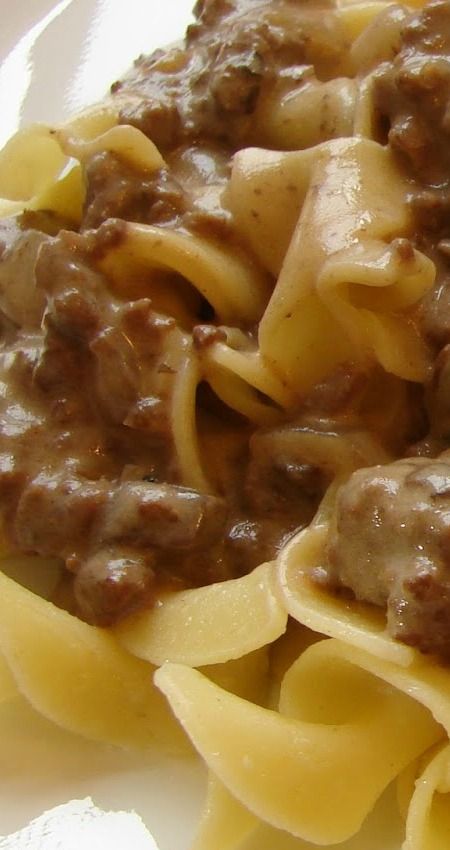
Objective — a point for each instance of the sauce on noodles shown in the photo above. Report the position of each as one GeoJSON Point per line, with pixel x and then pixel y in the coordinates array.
{"type": "Point", "coordinates": [96, 352]}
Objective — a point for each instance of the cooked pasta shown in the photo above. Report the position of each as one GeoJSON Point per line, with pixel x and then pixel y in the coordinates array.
{"type": "Point", "coordinates": [225, 419]}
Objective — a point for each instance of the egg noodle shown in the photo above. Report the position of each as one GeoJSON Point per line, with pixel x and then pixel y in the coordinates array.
{"type": "Point", "coordinates": [302, 706]}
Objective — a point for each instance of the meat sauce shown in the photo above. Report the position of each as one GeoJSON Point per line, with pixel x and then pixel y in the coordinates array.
{"type": "Point", "coordinates": [88, 471]}
{"type": "Point", "coordinates": [390, 540]}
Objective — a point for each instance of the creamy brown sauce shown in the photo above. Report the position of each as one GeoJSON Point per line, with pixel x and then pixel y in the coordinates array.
{"type": "Point", "coordinates": [390, 539]}
{"type": "Point", "coordinates": [87, 466]}
{"type": "Point", "coordinates": [88, 471]}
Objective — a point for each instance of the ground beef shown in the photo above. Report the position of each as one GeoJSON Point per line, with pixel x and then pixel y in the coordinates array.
{"type": "Point", "coordinates": [434, 312]}
{"type": "Point", "coordinates": [412, 100]}
{"type": "Point", "coordinates": [110, 533]}
{"type": "Point", "coordinates": [234, 56]}
{"type": "Point", "coordinates": [281, 474]}
{"type": "Point", "coordinates": [88, 466]}
{"type": "Point", "coordinates": [116, 190]}
{"type": "Point", "coordinates": [173, 196]}
{"type": "Point", "coordinates": [412, 94]}
{"type": "Point", "coordinates": [113, 583]}
{"type": "Point", "coordinates": [78, 366]}
{"type": "Point", "coordinates": [88, 469]}
{"type": "Point", "coordinates": [390, 546]}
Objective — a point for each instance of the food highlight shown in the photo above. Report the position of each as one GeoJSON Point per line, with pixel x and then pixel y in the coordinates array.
{"type": "Point", "coordinates": [225, 417]}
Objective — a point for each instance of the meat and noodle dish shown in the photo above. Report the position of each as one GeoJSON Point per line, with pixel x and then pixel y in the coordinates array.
{"type": "Point", "coordinates": [225, 417]}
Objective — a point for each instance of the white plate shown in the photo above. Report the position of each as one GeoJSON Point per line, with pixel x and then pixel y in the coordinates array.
{"type": "Point", "coordinates": [57, 57]}
{"type": "Point", "coordinates": [60, 56]}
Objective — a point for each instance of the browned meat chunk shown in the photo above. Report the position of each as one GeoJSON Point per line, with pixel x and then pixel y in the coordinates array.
{"type": "Point", "coordinates": [413, 94]}
{"type": "Point", "coordinates": [56, 514]}
{"type": "Point", "coordinates": [162, 515]}
{"type": "Point", "coordinates": [282, 476]}
{"type": "Point", "coordinates": [250, 542]}
{"type": "Point", "coordinates": [390, 546]}
{"type": "Point", "coordinates": [115, 190]}
{"type": "Point", "coordinates": [110, 534]}
{"type": "Point", "coordinates": [114, 583]}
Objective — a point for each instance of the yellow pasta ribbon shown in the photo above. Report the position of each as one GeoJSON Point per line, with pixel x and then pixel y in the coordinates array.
{"type": "Point", "coordinates": [231, 284]}
{"type": "Point", "coordinates": [266, 193]}
{"type": "Point", "coordinates": [358, 623]}
{"type": "Point", "coordinates": [224, 822]}
{"type": "Point", "coordinates": [383, 828]}
{"type": "Point", "coordinates": [327, 306]}
{"type": "Point", "coordinates": [428, 821]}
{"type": "Point", "coordinates": [78, 676]}
{"type": "Point", "coordinates": [209, 625]}
{"type": "Point", "coordinates": [315, 775]}
{"type": "Point", "coordinates": [36, 175]}
{"type": "Point", "coordinates": [126, 141]}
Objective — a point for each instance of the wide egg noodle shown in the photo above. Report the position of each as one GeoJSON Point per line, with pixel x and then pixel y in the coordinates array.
{"type": "Point", "coordinates": [358, 623]}
{"type": "Point", "coordinates": [428, 821]}
{"type": "Point", "coordinates": [76, 682]}
{"type": "Point", "coordinates": [8, 687]}
{"type": "Point", "coordinates": [125, 141]}
{"type": "Point", "coordinates": [209, 625]}
{"type": "Point", "coordinates": [383, 829]}
{"type": "Point", "coordinates": [59, 678]}
{"type": "Point", "coordinates": [320, 794]}
{"type": "Point", "coordinates": [225, 823]}
{"type": "Point", "coordinates": [357, 16]}
{"type": "Point", "coordinates": [266, 193]}
{"type": "Point", "coordinates": [36, 172]}
{"type": "Point", "coordinates": [186, 378]}
{"type": "Point", "coordinates": [235, 287]}
{"type": "Point", "coordinates": [315, 112]}
{"type": "Point", "coordinates": [41, 168]}
{"type": "Point", "coordinates": [236, 393]}
{"type": "Point", "coordinates": [423, 791]}
{"type": "Point", "coordinates": [48, 180]}
{"type": "Point", "coordinates": [349, 211]}
{"type": "Point", "coordinates": [78, 675]}
{"type": "Point", "coordinates": [240, 368]}
{"type": "Point", "coordinates": [288, 206]}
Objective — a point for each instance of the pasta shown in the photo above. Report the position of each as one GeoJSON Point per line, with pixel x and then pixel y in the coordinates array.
{"type": "Point", "coordinates": [225, 420]}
